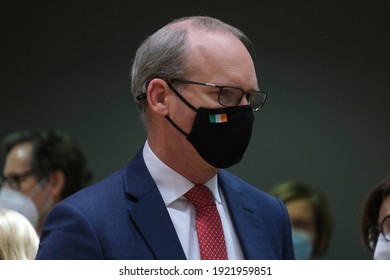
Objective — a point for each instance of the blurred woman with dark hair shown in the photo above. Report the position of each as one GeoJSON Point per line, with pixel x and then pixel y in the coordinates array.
{"type": "Point", "coordinates": [310, 216]}
{"type": "Point", "coordinates": [375, 223]}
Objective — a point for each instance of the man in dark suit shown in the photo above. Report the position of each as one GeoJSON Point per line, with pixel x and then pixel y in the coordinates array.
{"type": "Point", "coordinates": [195, 83]}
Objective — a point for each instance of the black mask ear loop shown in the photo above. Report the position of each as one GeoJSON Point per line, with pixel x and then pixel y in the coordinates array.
{"type": "Point", "coordinates": [185, 102]}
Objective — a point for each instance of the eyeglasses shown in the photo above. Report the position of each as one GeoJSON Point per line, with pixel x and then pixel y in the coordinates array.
{"type": "Point", "coordinates": [13, 181]}
{"type": "Point", "coordinates": [373, 232]}
{"type": "Point", "coordinates": [231, 96]}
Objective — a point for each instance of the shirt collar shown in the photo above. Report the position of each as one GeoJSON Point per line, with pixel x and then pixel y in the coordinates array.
{"type": "Point", "coordinates": [171, 184]}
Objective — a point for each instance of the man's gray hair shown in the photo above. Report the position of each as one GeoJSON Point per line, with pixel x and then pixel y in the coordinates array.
{"type": "Point", "coordinates": [164, 53]}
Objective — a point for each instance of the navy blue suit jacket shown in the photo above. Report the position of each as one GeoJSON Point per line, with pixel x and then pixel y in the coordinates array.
{"type": "Point", "coordinates": [124, 217]}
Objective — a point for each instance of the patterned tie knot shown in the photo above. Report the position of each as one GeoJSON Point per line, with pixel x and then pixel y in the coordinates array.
{"type": "Point", "coordinates": [200, 196]}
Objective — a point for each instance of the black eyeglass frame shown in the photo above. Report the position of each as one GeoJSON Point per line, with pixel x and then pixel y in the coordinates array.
{"type": "Point", "coordinates": [248, 95]}
{"type": "Point", "coordinates": [14, 180]}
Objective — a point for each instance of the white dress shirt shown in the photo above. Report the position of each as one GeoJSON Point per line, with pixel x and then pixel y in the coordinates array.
{"type": "Point", "coordinates": [172, 187]}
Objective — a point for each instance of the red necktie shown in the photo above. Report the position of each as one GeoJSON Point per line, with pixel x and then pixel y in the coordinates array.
{"type": "Point", "coordinates": [208, 224]}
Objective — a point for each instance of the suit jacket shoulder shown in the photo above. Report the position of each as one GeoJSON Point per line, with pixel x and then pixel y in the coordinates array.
{"type": "Point", "coordinates": [121, 217]}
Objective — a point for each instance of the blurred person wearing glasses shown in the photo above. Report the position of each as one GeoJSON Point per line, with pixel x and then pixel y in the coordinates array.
{"type": "Point", "coordinates": [375, 223]}
{"type": "Point", "coordinates": [195, 83]}
{"type": "Point", "coordinates": [41, 168]}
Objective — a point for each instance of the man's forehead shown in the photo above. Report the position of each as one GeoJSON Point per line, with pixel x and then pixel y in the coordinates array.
{"type": "Point", "coordinates": [18, 158]}
{"type": "Point", "coordinates": [22, 150]}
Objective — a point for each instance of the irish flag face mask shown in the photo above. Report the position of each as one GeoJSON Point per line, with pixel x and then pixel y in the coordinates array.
{"type": "Point", "coordinates": [220, 136]}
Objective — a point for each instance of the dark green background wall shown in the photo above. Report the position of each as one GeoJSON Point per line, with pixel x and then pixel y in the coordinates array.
{"type": "Point", "coordinates": [326, 67]}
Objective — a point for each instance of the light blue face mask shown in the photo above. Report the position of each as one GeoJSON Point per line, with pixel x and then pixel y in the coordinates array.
{"type": "Point", "coordinates": [302, 244]}
{"type": "Point", "coordinates": [10, 199]}
{"type": "Point", "coordinates": [382, 249]}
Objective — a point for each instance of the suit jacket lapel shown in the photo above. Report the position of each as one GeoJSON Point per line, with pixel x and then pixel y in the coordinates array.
{"type": "Point", "coordinates": [246, 223]}
{"type": "Point", "coordinates": [154, 222]}
{"type": "Point", "coordinates": [150, 213]}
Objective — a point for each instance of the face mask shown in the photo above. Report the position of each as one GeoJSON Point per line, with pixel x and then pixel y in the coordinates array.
{"type": "Point", "coordinates": [11, 199]}
{"type": "Point", "coordinates": [382, 249]}
{"type": "Point", "coordinates": [302, 244]}
{"type": "Point", "coordinates": [221, 135]}
{"type": "Point", "coordinates": [49, 201]}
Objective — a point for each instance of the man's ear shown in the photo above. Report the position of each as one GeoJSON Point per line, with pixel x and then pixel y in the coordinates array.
{"type": "Point", "coordinates": [56, 182]}
{"type": "Point", "coordinates": [157, 92]}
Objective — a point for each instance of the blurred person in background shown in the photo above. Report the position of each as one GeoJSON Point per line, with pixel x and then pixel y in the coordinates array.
{"type": "Point", "coordinates": [375, 222]}
{"type": "Point", "coordinates": [45, 166]}
{"type": "Point", "coordinates": [18, 238]}
{"type": "Point", "coordinates": [310, 216]}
